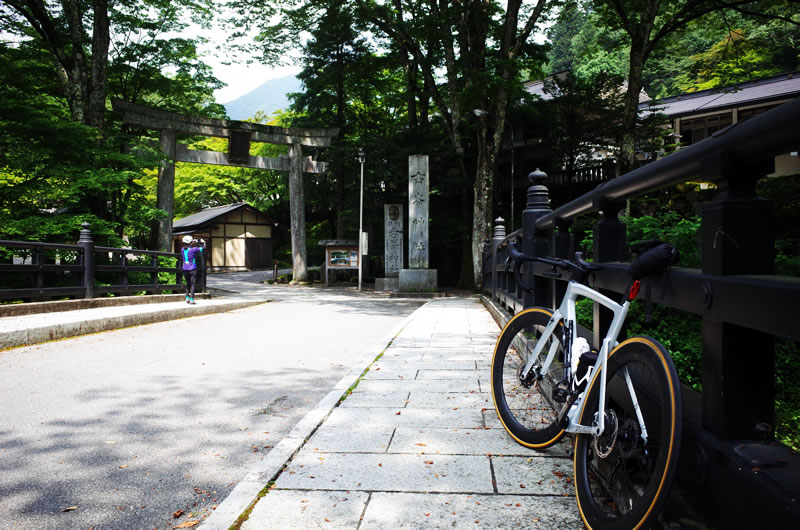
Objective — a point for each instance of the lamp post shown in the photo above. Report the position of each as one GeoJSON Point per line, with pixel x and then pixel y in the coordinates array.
{"type": "Point", "coordinates": [481, 112]}
{"type": "Point", "coordinates": [360, 215]}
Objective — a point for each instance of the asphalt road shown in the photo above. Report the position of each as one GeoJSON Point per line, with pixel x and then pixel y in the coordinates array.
{"type": "Point", "coordinates": [123, 429]}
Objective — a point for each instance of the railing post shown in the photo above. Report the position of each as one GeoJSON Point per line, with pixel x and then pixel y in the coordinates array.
{"type": "Point", "coordinates": [499, 235]}
{"type": "Point", "coordinates": [610, 241]}
{"type": "Point", "coordinates": [37, 259]}
{"type": "Point", "coordinates": [536, 242]}
{"type": "Point", "coordinates": [87, 244]}
{"type": "Point", "coordinates": [179, 270]}
{"type": "Point", "coordinates": [486, 256]}
{"type": "Point", "coordinates": [564, 247]}
{"type": "Point", "coordinates": [738, 363]}
{"type": "Point", "coordinates": [153, 275]}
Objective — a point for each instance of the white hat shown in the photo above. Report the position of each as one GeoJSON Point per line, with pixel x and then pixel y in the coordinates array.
{"type": "Point", "coordinates": [187, 239]}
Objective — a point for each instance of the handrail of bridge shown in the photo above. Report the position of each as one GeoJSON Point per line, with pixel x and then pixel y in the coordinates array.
{"type": "Point", "coordinates": [85, 269]}
{"type": "Point", "coordinates": [742, 304]}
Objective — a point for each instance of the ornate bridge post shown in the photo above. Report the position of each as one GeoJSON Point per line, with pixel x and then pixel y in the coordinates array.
{"type": "Point", "coordinates": [499, 235]}
{"type": "Point", "coordinates": [535, 242]}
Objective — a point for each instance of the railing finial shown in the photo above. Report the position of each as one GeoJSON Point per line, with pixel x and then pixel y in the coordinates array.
{"type": "Point", "coordinates": [86, 233]}
{"type": "Point", "coordinates": [538, 194]}
{"type": "Point", "coordinates": [499, 228]}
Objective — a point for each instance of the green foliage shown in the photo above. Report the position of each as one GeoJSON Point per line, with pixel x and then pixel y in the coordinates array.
{"type": "Point", "coordinates": [669, 226]}
{"type": "Point", "coordinates": [787, 387]}
{"type": "Point", "coordinates": [745, 49]}
{"type": "Point", "coordinates": [580, 42]}
{"type": "Point", "coordinates": [143, 278]}
{"type": "Point", "coordinates": [148, 64]}
{"type": "Point", "coordinates": [52, 170]}
{"type": "Point", "coordinates": [678, 331]}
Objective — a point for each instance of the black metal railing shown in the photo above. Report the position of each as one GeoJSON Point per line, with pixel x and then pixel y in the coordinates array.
{"type": "Point", "coordinates": [596, 173]}
{"type": "Point", "coordinates": [44, 271]}
{"type": "Point", "coordinates": [742, 304]}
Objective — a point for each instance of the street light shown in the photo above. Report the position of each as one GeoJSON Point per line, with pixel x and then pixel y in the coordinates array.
{"type": "Point", "coordinates": [480, 113]}
{"type": "Point", "coordinates": [361, 159]}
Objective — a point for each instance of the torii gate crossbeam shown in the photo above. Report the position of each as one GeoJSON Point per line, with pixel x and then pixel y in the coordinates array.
{"type": "Point", "coordinates": [239, 135]}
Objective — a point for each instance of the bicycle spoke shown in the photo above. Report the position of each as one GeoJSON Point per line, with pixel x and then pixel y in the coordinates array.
{"type": "Point", "coordinates": [628, 486]}
{"type": "Point", "coordinates": [524, 404]}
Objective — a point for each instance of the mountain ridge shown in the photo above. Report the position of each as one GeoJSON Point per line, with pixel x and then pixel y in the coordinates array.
{"type": "Point", "coordinates": [267, 97]}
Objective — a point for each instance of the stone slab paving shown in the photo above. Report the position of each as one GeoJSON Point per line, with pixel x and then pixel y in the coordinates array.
{"type": "Point", "coordinates": [396, 510]}
{"type": "Point", "coordinates": [388, 385]}
{"type": "Point", "coordinates": [417, 444]}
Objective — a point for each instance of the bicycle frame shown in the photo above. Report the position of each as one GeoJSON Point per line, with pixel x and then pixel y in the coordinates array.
{"type": "Point", "coordinates": [566, 313]}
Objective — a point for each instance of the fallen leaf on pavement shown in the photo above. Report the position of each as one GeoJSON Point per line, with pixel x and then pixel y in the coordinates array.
{"type": "Point", "coordinates": [187, 524]}
{"type": "Point", "coordinates": [69, 509]}
{"type": "Point", "coordinates": [123, 467]}
{"type": "Point", "coordinates": [177, 514]}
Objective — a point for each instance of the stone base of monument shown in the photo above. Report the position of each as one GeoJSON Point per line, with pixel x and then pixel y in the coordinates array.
{"type": "Point", "coordinates": [387, 284]}
{"type": "Point", "coordinates": [418, 280]}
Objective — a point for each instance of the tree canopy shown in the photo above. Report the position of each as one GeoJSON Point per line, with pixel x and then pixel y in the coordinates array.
{"type": "Point", "coordinates": [397, 78]}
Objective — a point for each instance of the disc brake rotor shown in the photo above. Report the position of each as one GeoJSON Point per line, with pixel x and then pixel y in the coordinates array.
{"type": "Point", "coordinates": [604, 443]}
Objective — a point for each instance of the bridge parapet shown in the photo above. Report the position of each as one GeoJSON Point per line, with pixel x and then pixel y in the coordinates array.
{"type": "Point", "coordinates": [730, 463]}
{"type": "Point", "coordinates": [91, 270]}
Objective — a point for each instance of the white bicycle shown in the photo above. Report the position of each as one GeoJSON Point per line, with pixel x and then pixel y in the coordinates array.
{"type": "Point", "coordinates": [621, 400]}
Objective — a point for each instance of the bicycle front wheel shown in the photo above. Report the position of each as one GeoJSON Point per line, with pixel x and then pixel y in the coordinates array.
{"type": "Point", "coordinates": [623, 477]}
{"type": "Point", "coordinates": [525, 406]}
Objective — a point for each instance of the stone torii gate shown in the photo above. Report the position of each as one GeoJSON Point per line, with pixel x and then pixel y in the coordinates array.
{"type": "Point", "coordinates": [239, 135]}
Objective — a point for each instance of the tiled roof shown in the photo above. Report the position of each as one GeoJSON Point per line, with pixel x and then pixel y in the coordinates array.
{"type": "Point", "coordinates": [205, 217]}
{"type": "Point", "coordinates": [763, 90]}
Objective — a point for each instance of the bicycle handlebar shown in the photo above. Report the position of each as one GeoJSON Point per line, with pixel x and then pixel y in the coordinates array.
{"type": "Point", "coordinates": [579, 265]}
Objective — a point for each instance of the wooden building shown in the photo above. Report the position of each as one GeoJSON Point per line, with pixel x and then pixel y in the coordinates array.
{"type": "Point", "coordinates": [238, 237]}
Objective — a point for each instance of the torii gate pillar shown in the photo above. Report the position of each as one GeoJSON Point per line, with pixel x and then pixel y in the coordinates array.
{"type": "Point", "coordinates": [298, 218]}
{"type": "Point", "coordinates": [165, 198]}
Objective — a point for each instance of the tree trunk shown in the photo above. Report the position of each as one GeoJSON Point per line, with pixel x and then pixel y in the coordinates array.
{"type": "Point", "coordinates": [627, 154]}
{"type": "Point", "coordinates": [96, 94]}
{"type": "Point", "coordinates": [481, 205]}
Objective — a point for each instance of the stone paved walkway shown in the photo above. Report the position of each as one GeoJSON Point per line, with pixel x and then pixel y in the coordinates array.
{"type": "Point", "coordinates": [418, 444]}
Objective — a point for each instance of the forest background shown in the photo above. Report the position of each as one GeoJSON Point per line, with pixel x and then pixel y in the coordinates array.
{"type": "Point", "coordinates": [397, 78]}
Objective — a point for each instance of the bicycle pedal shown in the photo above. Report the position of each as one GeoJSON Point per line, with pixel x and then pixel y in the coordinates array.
{"type": "Point", "coordinates": [560, 393]}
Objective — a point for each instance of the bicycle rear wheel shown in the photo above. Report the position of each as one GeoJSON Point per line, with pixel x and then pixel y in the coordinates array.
{"type": "Point", "coordinates": [525, 407]}
{"type": "Point", "coordinates": [627, 487]}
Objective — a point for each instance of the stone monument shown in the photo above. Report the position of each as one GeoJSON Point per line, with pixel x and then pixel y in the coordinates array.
{"type": "Point", "coordinates": [392, 248]}
{"type": "Point", "coordinates": [418, 277]}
